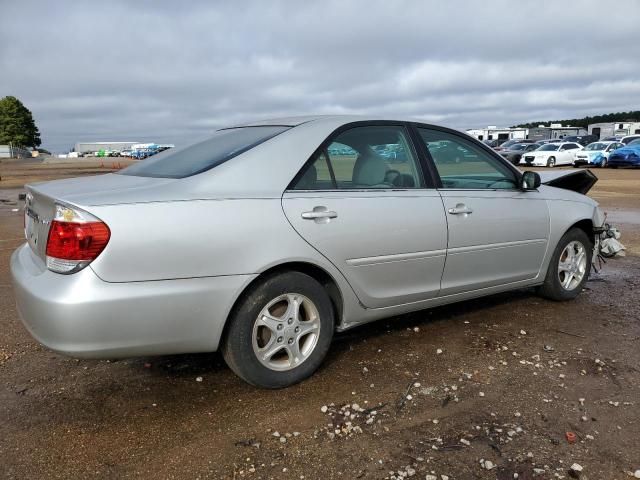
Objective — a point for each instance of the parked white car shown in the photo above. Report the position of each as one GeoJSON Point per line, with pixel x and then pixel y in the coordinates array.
{"type": "Point", "coordinates": [553, 154]}
{"type": "Point", "coordinates": [596, 154]}
{"type": "Point", "coordinates": [629, 138]}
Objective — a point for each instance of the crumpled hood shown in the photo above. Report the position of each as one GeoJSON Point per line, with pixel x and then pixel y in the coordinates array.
{"type": "Point", "coordinates": [579, 181]}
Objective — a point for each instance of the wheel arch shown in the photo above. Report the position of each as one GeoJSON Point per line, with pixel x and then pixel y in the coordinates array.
{"type": "Point", "coordinates": [586, 225]}
{"type": "Point", "coordinates": [319, 274]}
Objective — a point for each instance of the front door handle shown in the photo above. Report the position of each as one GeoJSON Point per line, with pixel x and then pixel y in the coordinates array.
{"type": "Point", "coordinates": [460, 209]}
{"type": "Point", "coordinates": [319, 214]}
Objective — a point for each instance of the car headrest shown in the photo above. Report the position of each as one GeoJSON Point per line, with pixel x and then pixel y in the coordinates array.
{"type": "Point", "coordinates": [369, 169]}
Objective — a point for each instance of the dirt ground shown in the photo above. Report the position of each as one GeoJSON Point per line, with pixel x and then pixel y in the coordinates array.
{"type": "Point", "coordinates": [499, 380]}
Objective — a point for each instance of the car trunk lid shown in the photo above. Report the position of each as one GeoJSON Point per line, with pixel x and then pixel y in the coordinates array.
{"type": "Point", "coordinates": [38, 212]}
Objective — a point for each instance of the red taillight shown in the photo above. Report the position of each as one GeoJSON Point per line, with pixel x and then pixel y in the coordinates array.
{"type": "Point", "coordinates": [77, 241]}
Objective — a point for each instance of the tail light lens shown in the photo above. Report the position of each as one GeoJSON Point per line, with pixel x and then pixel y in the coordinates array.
{"type": "Point", "coordinates": [76, 238]}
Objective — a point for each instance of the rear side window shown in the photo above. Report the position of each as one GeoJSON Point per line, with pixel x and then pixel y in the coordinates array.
{"type": "Point", "coordinates": [205, 155]}
{"type": "Point", "coordinates": [366, 157]}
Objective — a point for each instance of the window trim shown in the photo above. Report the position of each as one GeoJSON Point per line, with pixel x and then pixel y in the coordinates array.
{"type": "Point", "coordinates": [425, 175]}
{"type": "Point", "coordinates": [491, 153]}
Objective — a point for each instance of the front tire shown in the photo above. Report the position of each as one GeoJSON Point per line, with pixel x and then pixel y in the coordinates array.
{"type": "Point", "coordinates": [280, 331]}
{"type": "Point", "coordinates": [551, 162]}
{"type": "Point", "coordinates": [569, 266]}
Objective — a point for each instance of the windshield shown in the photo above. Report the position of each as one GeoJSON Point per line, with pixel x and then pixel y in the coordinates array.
{"type": "Point", "coordinates": [596, 146]}
{"type": "Point", "coordinates": [635, 142]}
{"type": "Point", "coordinates": [549, 147]}
{"type": "Point", "coordinates": [203, 156]}
{"type": "Point", "coordinates": [628, 140]}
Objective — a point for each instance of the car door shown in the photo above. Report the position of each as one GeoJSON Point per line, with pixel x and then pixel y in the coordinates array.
{"type": "Point", "coordinates": [498, 233]}
{"type": "Point", "coordinates": [363, 203]}
{"type": "Point", "coordinates": [568, 152]}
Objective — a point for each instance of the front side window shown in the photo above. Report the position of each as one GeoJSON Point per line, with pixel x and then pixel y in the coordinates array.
{"type": "Point", "coordinates": [463, 165]}
{"type": "Point", "coordinates": [203, 156]}
{"type": "Point", "coordinates": [367, 157]}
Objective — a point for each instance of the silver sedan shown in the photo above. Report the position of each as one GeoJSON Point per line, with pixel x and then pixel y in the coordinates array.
{"type": "Point", "coordinates": [266, 238]}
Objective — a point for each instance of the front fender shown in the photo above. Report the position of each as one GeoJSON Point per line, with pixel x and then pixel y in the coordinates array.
{"type": "Point", "coordinates": [565, 214]}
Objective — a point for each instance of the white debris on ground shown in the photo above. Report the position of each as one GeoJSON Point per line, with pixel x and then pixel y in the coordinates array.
{"type": "Point", "coordinates": [409, 471]}
{"type": "Point", "coordinates": [609, 244]}
{"type": "Point", "coordinates": [348, 420]}
{"type": "Point", "coordinates": [487, 464]}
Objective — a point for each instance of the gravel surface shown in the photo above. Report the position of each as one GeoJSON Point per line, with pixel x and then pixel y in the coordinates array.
{"type": "Point", "coordinates": [510, 386]}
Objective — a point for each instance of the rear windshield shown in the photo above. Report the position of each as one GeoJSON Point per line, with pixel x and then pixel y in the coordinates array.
{"type": "Point", "coordinates": [203, 156]}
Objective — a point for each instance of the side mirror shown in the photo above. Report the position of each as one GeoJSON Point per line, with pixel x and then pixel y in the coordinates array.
{"type": "Point", "coordinates": [530, 181]}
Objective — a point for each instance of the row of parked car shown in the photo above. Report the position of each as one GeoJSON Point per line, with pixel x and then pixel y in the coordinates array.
{"type": "Point", "coordinates": [577, 151]}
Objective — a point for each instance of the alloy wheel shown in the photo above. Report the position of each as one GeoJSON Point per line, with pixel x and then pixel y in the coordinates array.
{"type": "Point", "coordinates": [286, 332]}
{"type": "Point", "coordinates": [572, 265]}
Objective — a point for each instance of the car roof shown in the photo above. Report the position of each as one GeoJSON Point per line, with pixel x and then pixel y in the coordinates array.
{"type": "Point", "coordinates": [336, 120]}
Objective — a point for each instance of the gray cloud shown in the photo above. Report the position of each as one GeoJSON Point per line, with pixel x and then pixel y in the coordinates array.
{"type": "Point", "coordinates": [173, 71]}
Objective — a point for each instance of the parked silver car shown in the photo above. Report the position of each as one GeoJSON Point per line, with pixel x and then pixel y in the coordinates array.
{"type": "Point", "coordinates": [264, 239]}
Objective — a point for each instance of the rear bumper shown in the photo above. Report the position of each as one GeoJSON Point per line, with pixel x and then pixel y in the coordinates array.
{"type": "Point", "coordinates": [83, 316]}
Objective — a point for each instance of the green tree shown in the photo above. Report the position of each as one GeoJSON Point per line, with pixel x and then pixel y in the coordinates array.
{"type": "Point", "coordinates": [16, 124]}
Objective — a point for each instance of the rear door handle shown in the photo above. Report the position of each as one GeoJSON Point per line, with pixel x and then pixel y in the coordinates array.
{"type": "Point", "coordinates": [460, 209]}
{"type": "Point", "coordinates": [314, 215]}
{"type": "Point", "coordinates": [319, 214]}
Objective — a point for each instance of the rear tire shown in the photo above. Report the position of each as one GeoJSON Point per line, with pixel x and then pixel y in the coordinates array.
{"type": "Point", "coordinates": [280, 331]}
{"type": "Point", "coordinates": [569, 267]}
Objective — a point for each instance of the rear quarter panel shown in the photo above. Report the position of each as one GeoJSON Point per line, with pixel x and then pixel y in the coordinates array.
{"type": "Point", "coordinates": [197, 238]}
{"type": "Point", "coordinates": [206, 238]}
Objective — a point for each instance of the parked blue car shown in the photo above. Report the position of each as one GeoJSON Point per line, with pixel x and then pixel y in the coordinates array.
{"type": "Point", "coordinates": [628, 156]}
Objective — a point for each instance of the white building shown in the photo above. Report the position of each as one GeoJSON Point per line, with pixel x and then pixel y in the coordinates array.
{"type": "Point", "coordinates": [492, 132]}
{"type": "Point", "coordinates": [611, 129]}
{"type": "Point", "coordinates": [92, 147]}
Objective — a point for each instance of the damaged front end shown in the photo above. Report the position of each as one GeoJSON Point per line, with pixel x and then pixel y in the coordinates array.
{"type": "Point", "coordinates": [605, 236]}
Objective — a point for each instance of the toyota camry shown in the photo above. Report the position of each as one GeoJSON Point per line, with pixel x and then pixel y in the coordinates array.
{"type": "Point", "coordinates": [266, 238]}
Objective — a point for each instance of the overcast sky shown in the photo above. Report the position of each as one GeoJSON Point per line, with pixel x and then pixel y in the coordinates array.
{"type": "Point", "coordinates": [171, 71]}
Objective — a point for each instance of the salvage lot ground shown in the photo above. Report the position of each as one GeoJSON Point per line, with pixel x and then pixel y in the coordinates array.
{"type": "Point", "coordinates": [494, 385]}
